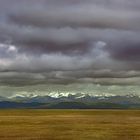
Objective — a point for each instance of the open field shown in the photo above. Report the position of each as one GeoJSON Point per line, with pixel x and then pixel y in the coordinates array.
{"type": "Point", "coordinates": [69, 124]}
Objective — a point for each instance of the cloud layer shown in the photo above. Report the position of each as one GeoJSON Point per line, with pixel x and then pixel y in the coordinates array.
{"type": "Point", "coordinates": [65, 42]}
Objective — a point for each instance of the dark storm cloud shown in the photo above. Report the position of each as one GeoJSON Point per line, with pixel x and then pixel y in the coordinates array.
{"type": "Point", "coordinates": [64, 42]}
{"type": "Point", "coordinates": [67, 39]}
{"type": "Point", "coordinates": [77, 16]}
{"type": "Point", "coordinates": [59, 77]}
{"type": "Point", "coordinates": [127, 52]}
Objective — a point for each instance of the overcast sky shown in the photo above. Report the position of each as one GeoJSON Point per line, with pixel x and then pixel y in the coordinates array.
{"type": "Point", "coordinates": [90, 46]}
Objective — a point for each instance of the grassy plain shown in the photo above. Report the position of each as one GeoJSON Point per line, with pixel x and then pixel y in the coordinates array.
{"type": "Point", "coordinates": [69, 124]}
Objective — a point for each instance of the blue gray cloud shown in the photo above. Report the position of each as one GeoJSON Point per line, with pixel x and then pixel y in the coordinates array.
{"type": "Point", "coordinates": [65, 42]}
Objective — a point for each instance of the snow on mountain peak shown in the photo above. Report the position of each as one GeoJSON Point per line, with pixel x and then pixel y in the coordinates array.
{"type": "Point", "coordinates": [65, 94]}
{"type": "Point", "coordinates": [23, 95]}
{"type": "Point", "coordinates": [60, 94]}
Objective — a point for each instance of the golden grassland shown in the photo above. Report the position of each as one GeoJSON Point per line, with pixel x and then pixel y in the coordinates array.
{"type": "Point", "coordinates": [69, 124]}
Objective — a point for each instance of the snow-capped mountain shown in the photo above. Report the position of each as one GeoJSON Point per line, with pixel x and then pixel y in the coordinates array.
{"type": "Point", "coordinates": [81, 97]}
{"type": "Point", "coordinates": [50, 97]}
{"type": "Point", "coordinates": [59, 95]}
{"type": "Point", "coordinates": [70, 101]}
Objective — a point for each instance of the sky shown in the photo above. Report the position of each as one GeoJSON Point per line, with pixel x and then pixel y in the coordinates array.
{"type": "Point", "coordinates": [88, 46]}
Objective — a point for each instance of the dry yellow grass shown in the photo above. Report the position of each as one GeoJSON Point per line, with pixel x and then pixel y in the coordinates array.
{"type": "Point", "coordinates": [69, 125]}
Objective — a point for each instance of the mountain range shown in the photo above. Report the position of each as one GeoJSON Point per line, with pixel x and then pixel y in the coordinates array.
{"type": "Point", "coordinates": [70, 101]}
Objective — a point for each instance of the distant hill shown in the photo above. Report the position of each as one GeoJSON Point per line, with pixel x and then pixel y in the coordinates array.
{"type": "Point", "coordinates": [80, 105]}
{"type": "Point", "coordinates": [7, 104]}
{"type": "Point", "coordinates": [69, 105]}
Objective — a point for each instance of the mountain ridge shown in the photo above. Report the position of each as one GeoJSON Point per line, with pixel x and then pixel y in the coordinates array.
{"type": "Point", "coordinates": [70, 101]}
{"type": "Point", "coordinates": [73, 97]}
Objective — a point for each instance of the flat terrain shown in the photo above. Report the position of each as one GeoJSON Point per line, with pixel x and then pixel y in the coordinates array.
{"type": "Point", "coordinates": [69, 124]}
